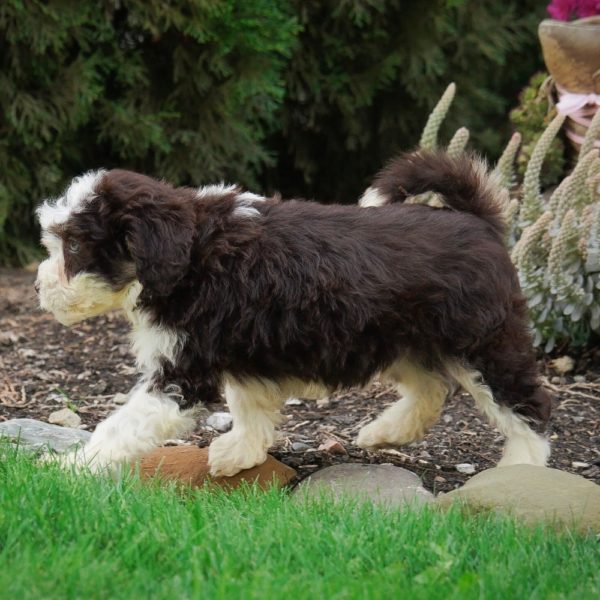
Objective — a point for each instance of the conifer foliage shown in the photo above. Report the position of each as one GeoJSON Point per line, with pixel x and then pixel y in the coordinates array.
{"type": "Point", "coordinates": [308, 97]}
{"type": "Point", "coordinates": [181, 89]}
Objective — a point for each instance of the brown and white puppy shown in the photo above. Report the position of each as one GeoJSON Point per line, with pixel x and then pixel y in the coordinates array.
{"type": "Point", "coordinates": [266, 299]}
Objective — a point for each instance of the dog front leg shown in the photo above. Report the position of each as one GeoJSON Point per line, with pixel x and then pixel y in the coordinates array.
{"type": "Point", "coordinates": [254, 406]}
{"type": "Point", "coordinates": [148, 419]}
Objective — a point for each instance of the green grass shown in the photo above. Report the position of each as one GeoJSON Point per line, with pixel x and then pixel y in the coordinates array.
{"type": "Point", "coordinates": [66, 536]}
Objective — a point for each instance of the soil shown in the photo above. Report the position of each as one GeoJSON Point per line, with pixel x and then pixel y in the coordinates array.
{"type": "Point", "coordinates": [45, 366]}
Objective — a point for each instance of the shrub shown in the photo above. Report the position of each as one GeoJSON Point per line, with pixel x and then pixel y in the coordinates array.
{"type": "Point", "coordinates": [554, 238]}
{"type": "Point", "coordinates": [185, 90]}
{"type": "Point", "coordinates": [304, 96]}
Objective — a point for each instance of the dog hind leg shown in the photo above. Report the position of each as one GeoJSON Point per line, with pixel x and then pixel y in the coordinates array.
{"type": "Point", "coordinates": [407, 420]}
{"type": "Point", "coordinates": [523, 445]}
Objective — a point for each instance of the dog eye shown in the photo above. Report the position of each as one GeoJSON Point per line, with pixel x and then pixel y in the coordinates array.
{"type": "Point", "coordinates": [73, 246]}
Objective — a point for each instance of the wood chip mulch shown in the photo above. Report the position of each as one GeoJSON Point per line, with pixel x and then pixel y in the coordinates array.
{"type": "Point", "coordinates": [45, 366]}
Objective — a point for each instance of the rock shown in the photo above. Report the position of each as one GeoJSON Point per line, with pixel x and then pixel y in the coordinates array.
{"type": "Point", "coordinates": [99, 387]}
{"type": "Point", "coordinates": [466, 468]}
{"type": "Point", "coordinates": [300, 447]}
{"type": "Point", "coordinates": [120, 398]}
{"type": "Point", "coordinates": [580, 465]}
{"type": "Point", "coordinates": [188, 465]}
{"type": "Point", "coordinates": [333, 447]}
{"type": "Point", "coordinates": [220, 421]}
{"type": "Point", "coordinates": [8, 338]}
{"type": "Point", "coordinates": [293, 402]}
{"type": "Point", "coordinates": [382, 484]}
{"type": "Point", "coordinates": [65, 417]}
{"type": "Point", "coordinates": [323, 402]}
{"type": "Point", "coordinates": [563, 364]}
{"type": "Point", "coordinates": [579, 379]}
{"type": "Point", "coordinates": [532, 494]}
{"type": "Point", "coordinates": [36, 435]}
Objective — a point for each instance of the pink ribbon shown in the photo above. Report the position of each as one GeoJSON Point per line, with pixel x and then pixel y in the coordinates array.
{"type": "Point", "coordinates": [572, 103]}
{"type": "Point", "coordinates": [578, 107]}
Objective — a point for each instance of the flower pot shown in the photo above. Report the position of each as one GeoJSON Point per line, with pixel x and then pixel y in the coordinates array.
{"type": "Point", "coordinates": [572, 55]}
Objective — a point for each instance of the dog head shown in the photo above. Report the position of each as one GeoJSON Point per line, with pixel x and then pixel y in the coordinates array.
{"type": "Point", "coordinates": [108, 233]}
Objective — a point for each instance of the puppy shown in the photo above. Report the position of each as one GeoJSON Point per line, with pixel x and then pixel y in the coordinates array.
{"type": "Point", "coordinates": [228, 290]}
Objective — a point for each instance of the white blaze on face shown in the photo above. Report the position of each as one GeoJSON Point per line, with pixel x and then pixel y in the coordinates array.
{"type": "Point", "coordinates": [85, 294]}
{"type": "Point", "coordinates": [79, 192]}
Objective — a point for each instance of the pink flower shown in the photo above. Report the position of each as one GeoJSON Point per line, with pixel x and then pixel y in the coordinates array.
{"type": "Point", "coordinates": [564, 10]}
{"type": "Point", "coordinates": [588, 8]}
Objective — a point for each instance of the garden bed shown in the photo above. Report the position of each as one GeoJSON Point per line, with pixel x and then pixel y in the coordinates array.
{"type": "Point", "coordinates": [45, 366]}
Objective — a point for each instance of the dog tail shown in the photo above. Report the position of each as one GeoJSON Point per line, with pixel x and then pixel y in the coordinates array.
{"type": "Point", "coordinates": [464, 183]}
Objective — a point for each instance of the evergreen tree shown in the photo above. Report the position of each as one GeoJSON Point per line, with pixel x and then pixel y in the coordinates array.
{"type": "Point", "coordinates": [366, 73]}
{"type": "Point", "coordinates": [181, 89]}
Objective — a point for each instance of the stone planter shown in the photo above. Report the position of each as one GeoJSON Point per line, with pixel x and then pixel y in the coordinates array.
{"type": "Point", "coordinates": [572, 55]}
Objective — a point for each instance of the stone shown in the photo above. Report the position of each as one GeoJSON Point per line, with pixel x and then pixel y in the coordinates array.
{"type": "Point", "coordinates": [37, 435]}
{"type": "Point", "coordinates": [65, 417]}
{"type": "Point", "coordinates": [300, 447]}
{"type": "Point", "coordinates": [188, 465]}
{"type": "Point", "coordinates": [220, 421]}
{"type": "Point", "coordinates": [466, 468]}
{"type": "Point", "coordinates": [382, 484]}
{"type": "Point", "coordinates": [532, 494]}
{"type": "Point", "coordinates": [333, 447]}
{"type": "Point", "coordinates": [120, 398]}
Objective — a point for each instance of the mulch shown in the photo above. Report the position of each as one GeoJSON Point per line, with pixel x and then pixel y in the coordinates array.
{"type": "Point", "coordinates": [45, 366]}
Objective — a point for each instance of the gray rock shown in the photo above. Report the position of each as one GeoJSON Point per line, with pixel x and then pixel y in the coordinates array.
{"type": "Point", "coordinates": [220, 421]}
{"type": "Point", "coordinates": [37, 435]}
{"type": "Point", "coordinates": [383, 484]}
{"type": "Point", "coordinates": [466, 468]}
{"type": "Point", "coordinates": [532, 494]}
{"type": "Point", "coordinates": [65, 417]}
{"type": "Point", "coordinates": [300, 447]}
{"type": "Point", "coordinates": [120, 398]}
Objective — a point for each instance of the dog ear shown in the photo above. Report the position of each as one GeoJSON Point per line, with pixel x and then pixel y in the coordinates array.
{"type": "Point", "coordinates": [156, 222]}
{"type": "Point", "coordinates": [159, 239]}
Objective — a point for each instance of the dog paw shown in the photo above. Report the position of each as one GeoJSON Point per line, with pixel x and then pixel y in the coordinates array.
{"type": "Point", "coordinates": [380, 434]}
{"type": "Point", "coordinates": [372, 436]}
{"type": "Point", "coordinates": [231, 453]}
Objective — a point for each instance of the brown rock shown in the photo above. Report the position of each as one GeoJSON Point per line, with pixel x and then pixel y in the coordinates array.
{"type": "Point", "coordinates": [189, 465]}
{"type": "Point", "coordinates": [333, 447]}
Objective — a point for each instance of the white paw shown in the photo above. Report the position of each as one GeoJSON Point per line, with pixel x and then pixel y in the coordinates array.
{"type": "Point", "coordinates": [232, 453]}
{"type": "Point", "coordinates": [380, 434]}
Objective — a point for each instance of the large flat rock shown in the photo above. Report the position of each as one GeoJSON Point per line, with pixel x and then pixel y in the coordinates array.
{"type": "Point", "coordinates": [533, 494]}
{"type": "Point", "coordinates": [35, 435]}
{"type": "Point", "coordinates": [383, 484]}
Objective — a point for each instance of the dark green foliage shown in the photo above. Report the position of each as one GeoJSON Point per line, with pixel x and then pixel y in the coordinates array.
{"type": "Point", "coordinates": [366, 74]}
{"type": "Point", "coordinates": [182, 89]}
{"type": "Point", "coordinates": [305, 96]}
{"type": "Point", "coordinates": [530, 119]}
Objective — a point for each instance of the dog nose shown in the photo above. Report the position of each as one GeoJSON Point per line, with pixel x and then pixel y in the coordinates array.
{"type": "Point", "coordinates": [36, 285]}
